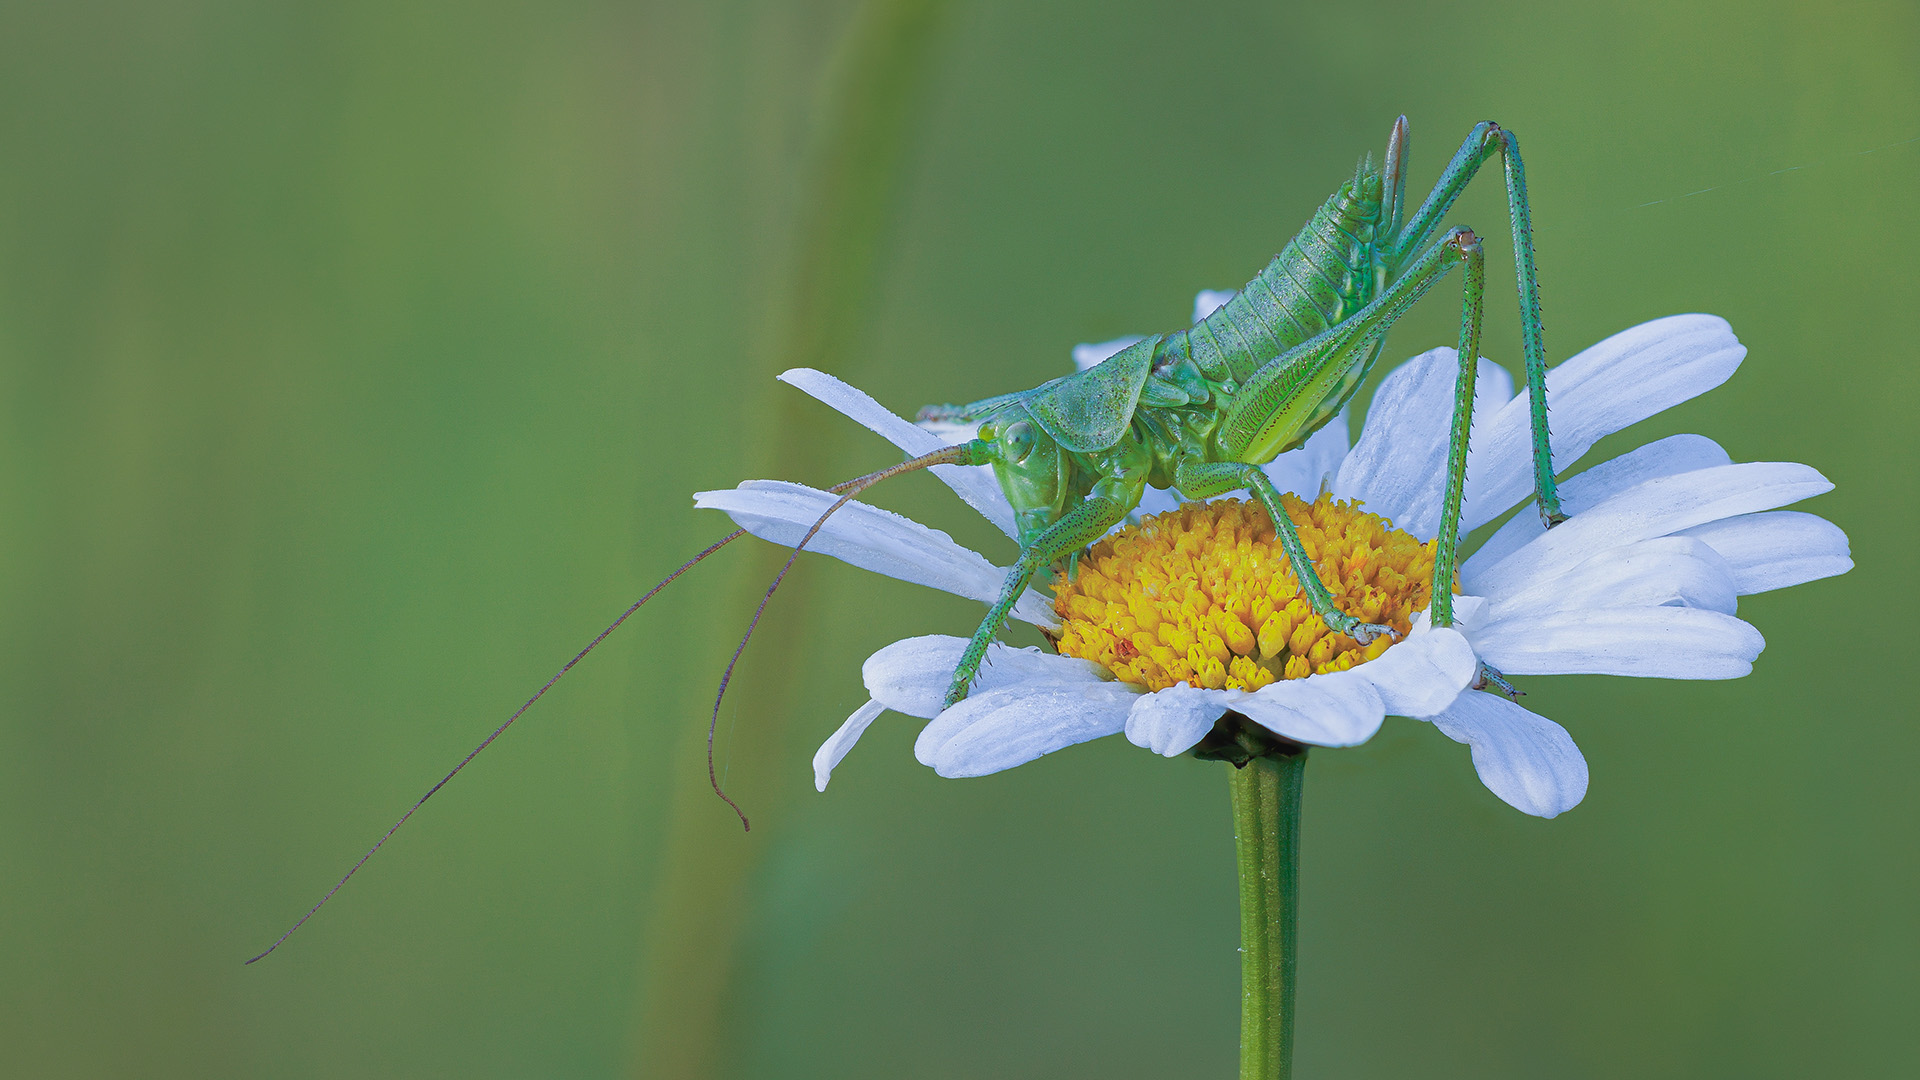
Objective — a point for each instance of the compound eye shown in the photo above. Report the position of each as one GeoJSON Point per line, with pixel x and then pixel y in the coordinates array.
{"type": "Point", "coordinates": [1019, 439]}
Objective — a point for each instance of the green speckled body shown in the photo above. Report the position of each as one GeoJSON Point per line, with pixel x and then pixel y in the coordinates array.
{"type": "Point", "coordinates": [1222, 396]}
{"type": "Point", "coordinates": [1324, 275]}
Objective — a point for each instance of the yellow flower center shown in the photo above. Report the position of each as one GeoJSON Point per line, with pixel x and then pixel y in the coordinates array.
{"type": "Point", "coordinates": [1205, 595]}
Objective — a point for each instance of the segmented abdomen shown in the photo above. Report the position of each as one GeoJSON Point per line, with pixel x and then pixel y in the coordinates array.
{"type": "Point", "coordinates": [1323, 275]}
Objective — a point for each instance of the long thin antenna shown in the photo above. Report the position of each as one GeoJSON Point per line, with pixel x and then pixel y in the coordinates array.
{"type": "Point", "coordinates": [950, 455]}
{"type": "Point", "coordinates": [497, 732]}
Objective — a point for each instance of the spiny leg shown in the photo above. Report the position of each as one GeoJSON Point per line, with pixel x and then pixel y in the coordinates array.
{"type": "Point", "coordinates": [1486, 140]}
{"type": "Point", "coordinates": [1473, 288]}
{"type": "Point", "coordinates": [1076, 529]}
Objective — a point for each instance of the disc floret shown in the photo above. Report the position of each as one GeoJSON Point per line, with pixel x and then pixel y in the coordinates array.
{"type": "Point", "coordinates": [1204, 594]}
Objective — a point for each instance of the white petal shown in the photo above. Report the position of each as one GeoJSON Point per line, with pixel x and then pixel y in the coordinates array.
{"type": "Point", "coordinates": [1208, 301]}
{"type": "Point", "coordinates": [1492, 389]}
{"type": "Point", "coordinates": [1655, 642]}
{"type": "Point", "coordinates": [1665, 570]}
{"type": "Point", "coordinates": [1776, 549]}
{"type": "Point", "coordinates": [974, 483]}
{"type": "Point", "coordinates": [1305, 468]}
{"type": "Point", "coordinates": [871, 539]}
{"type": "Point", "coordinates": [1523, 757]}
{"type": "Point", "coordinates": [1405, 429]}
{"type": "Point", "coordinates": [1086, 356]}
{"type": "Point", "coordinates": [1340, 709]}
{"type": "Point", "coordinates": [1013, 725]}
{"type": "Point", "coordinates": [1399, 466]}
{"type": "Point", "coordinates": [1169, 722]}
{"type": "Point", "coordinates": [1620, 381]}
{"type": "Point", "coordinates": [1421, 675]}
{"type": "Point", "coordinates": [835, 748]}
{"type": "Point", "coordinates": [912, 676]}
{"type": "Point", "coordinates": [1655, 507]}
{"type": "Point", "coordinates": [1670, 456]}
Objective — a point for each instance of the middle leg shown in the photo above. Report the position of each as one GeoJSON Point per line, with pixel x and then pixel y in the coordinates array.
{"type": "Point", "coordinates": [1205, 479]}
{"type": "Point", "coordinates": [1473, 288]}
{"type": "Point", "coordinates": [1446, 550]}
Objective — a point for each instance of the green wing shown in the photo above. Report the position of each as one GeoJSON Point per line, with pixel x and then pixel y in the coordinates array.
{"type": "Point", "coordinates": [1090, 410]}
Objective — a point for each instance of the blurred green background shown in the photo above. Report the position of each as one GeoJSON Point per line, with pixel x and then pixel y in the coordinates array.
{"type": "Point", "coordinates": [357, 362]}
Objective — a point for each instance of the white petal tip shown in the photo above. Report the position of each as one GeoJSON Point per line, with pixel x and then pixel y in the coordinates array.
{"type": "Point", "coordinates": [1171, 722]}
{"type": "Point", "coordinates": [835, 749]}
{"type": "Point", "coordinates": [1527, 760]}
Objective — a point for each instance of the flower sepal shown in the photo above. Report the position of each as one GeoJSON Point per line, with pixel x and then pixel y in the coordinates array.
{"type": "Point", "coordinates": [1237, 740]}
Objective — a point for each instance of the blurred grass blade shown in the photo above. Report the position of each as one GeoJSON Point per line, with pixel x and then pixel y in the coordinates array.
{"type": "Point", "coordinates": [876, 84]}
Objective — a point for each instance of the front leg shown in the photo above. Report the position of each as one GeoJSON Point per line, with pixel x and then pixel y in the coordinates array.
{"type": "Point", "coordinates": [1205, 479]}
{"type": "Point", "coordinates": [1077, 528]}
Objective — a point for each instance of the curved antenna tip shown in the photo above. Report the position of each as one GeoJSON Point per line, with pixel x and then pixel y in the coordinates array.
{"type": "Point", "coordinates": [947, 455]}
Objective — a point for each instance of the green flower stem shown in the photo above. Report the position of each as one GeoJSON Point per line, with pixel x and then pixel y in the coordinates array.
{"type": "Point", "coordinates": [1266, 835]}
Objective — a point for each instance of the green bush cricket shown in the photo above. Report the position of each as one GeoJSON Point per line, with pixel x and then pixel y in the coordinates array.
{"type": "Point", "coordinates": [1200, 410]}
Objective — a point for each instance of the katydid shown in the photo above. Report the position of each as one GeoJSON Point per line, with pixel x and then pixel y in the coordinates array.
{"type": "Point", "coordinates": [1200, 410]}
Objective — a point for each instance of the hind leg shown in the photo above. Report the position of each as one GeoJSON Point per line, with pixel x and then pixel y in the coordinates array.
{"type": "Point", "coordinates": [1486, 140]}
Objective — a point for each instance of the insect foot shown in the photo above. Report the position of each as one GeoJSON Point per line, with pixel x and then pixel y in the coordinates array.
{"type": "Point", "coordinates": [1491, 680]}
{"type": "Point", "coordinates": [1366, 632]}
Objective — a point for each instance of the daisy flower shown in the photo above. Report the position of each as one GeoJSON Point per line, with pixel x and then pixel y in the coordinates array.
{"type": "Point", "coordinates": [1179, 622]}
